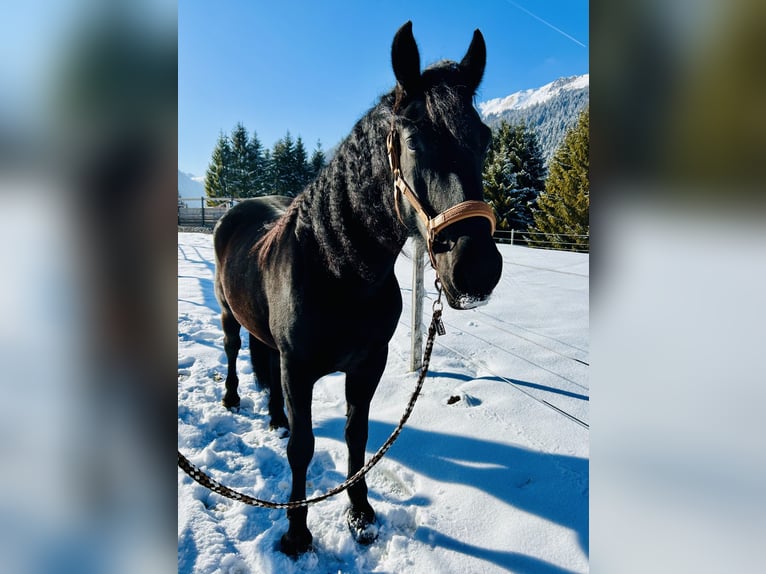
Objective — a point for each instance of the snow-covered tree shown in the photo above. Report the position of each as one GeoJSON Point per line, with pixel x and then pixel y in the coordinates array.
{"type": "Point", "coordinates": [513, 175]}
{"type": "Point", "coordinates": [238, 167]}
{"type": "Point", "coordinates": [564, 206]}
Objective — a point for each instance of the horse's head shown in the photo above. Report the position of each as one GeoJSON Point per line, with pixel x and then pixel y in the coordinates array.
{"type": "Point", "coordinates": [437, 143]}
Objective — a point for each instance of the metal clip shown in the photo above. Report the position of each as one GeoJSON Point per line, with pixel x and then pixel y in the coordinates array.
{"type": "Point", "coordinates": [440, 329]}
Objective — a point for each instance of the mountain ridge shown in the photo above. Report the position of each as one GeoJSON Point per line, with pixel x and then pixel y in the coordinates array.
{"type": "Point", "coordinates": [549, 111]}
{"type": "Point", "coordinates": [190, 186]}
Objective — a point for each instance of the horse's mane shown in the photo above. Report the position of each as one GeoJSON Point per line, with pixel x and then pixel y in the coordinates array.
{"type": "Point", "coordinates": [274, 234]}
{"type": "Point", "coordinates": [345, 210]}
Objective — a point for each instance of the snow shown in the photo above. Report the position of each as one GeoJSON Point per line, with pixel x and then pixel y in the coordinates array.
{"type": "Point", "coordinates": [531, 97]}
{"type": "Point", "coordinates": [495, 482]}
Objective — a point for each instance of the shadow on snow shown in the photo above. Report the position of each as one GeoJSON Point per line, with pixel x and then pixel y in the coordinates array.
{"type": "Point", "coordinates": [551, 486]}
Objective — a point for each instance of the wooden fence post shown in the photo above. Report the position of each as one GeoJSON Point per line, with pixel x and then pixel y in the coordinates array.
{"type": "Point", "coordinates": [418, 293]}
{"type": "Point", "coordinates": [512, 236]}
{"type": "Point", "coordinates": [202, 202]}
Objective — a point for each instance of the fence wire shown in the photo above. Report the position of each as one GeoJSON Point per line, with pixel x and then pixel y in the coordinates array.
{"type": "Point", "coordinates": [210, 210]}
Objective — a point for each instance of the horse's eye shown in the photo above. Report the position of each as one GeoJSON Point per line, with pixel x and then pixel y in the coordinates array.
{"type": "Point", "coordinates": [410, 144]}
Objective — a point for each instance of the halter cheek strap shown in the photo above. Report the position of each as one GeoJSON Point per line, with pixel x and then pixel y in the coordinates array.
{"type": "Point", "coordinates": [433, 225]}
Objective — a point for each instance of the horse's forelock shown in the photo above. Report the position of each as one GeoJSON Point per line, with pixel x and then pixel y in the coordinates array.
{"type": "Point", "coordinates": [448, 101]}
{"type": "Point", "coordinates": [447, 110]}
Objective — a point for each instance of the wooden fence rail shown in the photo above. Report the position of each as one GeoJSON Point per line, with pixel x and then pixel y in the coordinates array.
{"type": "Point", "coordinates": [209, 211]}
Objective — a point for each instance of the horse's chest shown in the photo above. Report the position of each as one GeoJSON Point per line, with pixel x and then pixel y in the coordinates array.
{"type": "Point", "coordinates": [363, 321]}
{"type": "Point", "coordinates": [343, 329]}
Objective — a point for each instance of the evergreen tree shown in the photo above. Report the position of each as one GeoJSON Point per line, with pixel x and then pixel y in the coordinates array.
{"type": "Point", "coordinates": [318, 160]}
{"type": "Point", "coordinates": [249, 170]}
{"type": "Point", "coordinates": [240, 169]}
{"type": "Point", "coordinates": [282, 182]}
{"type": "Point", "coordinates": [564, 206]}
{"type": "Point", "coordinates": [259, 165]}
{"type": "Point", "coordinates": [290, 169]}
{"type": "Point", "coordinates": [267, 184]}
{"type": "Point", "coordinates": [217, 178]}
{"type": "Point", "coordinates": [513, 175]}
{"type": "Point", "coordinates": [301, 168]}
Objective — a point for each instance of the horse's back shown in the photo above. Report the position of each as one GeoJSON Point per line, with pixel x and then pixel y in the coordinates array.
{"type": "Point", "coordinates": [253, 215]}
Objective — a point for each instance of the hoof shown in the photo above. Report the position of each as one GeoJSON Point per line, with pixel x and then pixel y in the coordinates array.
{"type": "Point", "coordinates": [231, 403]}
{"type": "Point", "coordinates": [295, 545]}
{"type": "Point", "coordinates": [281, 431]}
{"type": "Point", "coordinates": [363, 526]}
{"type": "Point", "coordinates": [279, 423]}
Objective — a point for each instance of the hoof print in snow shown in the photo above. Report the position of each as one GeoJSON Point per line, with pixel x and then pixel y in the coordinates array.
{"type": "Point", "coordinates": [464, 400]}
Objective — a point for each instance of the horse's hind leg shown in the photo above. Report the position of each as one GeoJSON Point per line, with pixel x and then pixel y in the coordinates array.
{"type": "Point", "coordinates": [231, 344]}
{"type": "Point", "coordinates": [360, 387]}
{"type": "Point", "coordinates": [267, 372]}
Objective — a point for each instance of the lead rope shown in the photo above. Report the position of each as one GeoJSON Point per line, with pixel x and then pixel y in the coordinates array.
{"type": "Point", "coordinates": [437, 326]}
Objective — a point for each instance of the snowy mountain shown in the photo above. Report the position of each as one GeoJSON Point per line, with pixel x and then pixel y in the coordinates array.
{"type": "Point", "coordinates": [549, 110]}
{"type": "Point", "coordinates": [190, 186]}
{"type": "Point", "coordinates": [528, 98]}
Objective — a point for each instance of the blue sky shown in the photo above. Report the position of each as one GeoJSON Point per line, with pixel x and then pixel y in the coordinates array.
{"type": "Point", "coordinates": [314, 68]}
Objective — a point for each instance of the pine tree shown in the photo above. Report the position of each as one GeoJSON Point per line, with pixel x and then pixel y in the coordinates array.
{"type": "Point", "coordinates": [290, 169]}
{"type": "Point", "coordinates": [563, 208]}
{"type": "Point", "coordinates": [282, 166]}
{"type": "Point", "coordinates": [217, 178]}
{"type": "Point", "coordinates": [258, 161]}
{"type": "Point", "coordinates": [318, 160]}
{"type": "Point", "coordinates": [513, 175]}
{"type": "Point", "coordinates": [301, 168]}
{"type": "Point", "coordinates": [240, 168]}
{"type": "Point", "coordinates": [267, 184]}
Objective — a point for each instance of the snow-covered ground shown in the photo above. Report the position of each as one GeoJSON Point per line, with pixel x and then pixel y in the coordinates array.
{"type": "Point", "coordinates": [495, 482]}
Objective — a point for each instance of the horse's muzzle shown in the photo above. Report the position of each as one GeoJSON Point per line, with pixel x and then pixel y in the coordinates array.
{"type": "Point", "coordinates": [470, 271]}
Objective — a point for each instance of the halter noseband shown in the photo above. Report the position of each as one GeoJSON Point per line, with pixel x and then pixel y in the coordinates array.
{"type": "Point", "coordinates": [433, 225]}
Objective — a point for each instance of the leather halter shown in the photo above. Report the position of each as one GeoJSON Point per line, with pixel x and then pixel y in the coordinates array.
{"type": "Point", "coordinates": [434, 225]}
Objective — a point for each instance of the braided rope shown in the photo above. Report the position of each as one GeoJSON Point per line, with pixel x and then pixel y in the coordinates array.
{"type": "Point", "coordinates": [209, 482]}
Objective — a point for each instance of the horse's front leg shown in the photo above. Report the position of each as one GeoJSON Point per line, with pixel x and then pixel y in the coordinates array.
{"type": "Point", "coordinates": [297, 387]}
{"type": "Point", "coordinates": [360, 387]}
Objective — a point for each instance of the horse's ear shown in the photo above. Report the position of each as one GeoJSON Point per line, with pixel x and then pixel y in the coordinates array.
{"type": "Point", "coordinates": [405, 59]}
{"type": "Point", "coordinates": [474, 61]}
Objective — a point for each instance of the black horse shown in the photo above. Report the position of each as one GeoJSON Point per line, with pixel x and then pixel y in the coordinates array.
{"type": "Point", "coordinates": [312, 280]}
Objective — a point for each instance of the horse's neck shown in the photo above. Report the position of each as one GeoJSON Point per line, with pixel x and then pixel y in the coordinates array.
{"type": "Point", "coordinates": [347, 211]}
